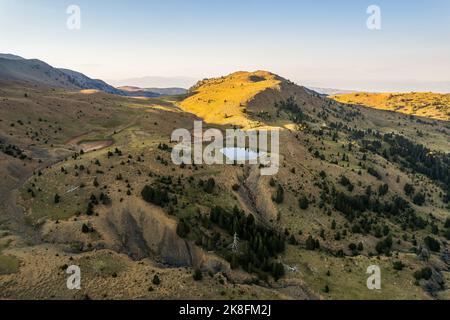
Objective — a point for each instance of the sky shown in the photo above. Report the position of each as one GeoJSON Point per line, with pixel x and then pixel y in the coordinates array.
{"type": "Point", "coordinates": [314, 43]}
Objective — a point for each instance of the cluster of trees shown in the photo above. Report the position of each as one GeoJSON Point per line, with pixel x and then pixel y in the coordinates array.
{"type": "Point", "coordinates": [432, 244]}
{"type": "Point", "coordinates": [434, 165]}
{"type": "Point", "coordinates": [208, 185]}
{"type": "Point", "coordinates": [164, 147]}
{"type": "Point", "coordinates": [93, 201]}
{"type": "Point", "coordinates": [261, 246]}
{"type": "Point", "coordinates": [424, 273]}
{"type": "Point", "coordinates": [447, 229]}
{"type": "Point", "coordinates": [312, 244]}
{"type": "Point", "coordinates": [417, 198]}
{"type": "Point", "coordinates": [384, 246]}
{"type": "Point", "coordinates": [290, 106]}
{"type": "Point", "coordinates": [157, 195]}
{"type": "Point", "coordinates": [116, 151]}
{"type": "Point", "coordinates": [398, 209]}
{"type": "Point", "coordinates": [13, 151]}
{"type": "Point", "coordinates": [346, 183]}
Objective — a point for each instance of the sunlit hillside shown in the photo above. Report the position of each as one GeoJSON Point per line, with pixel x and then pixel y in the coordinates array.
{"type": "Point", "coordinates": [224, 100]}
{"type": "Point", "coordinates": [423, 104]}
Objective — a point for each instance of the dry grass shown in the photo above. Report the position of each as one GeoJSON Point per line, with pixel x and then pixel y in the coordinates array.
{"type": "Point", "coordinates": [423, 104]}
{"type": "Point", "coordinates": [223, 100]}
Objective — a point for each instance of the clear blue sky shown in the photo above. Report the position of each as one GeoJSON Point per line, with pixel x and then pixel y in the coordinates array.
{"type": "Point", "coordinates": [319, 43]}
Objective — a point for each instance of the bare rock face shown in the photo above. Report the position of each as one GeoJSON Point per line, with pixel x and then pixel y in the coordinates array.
{"type": "Point", "coordinates": [141, 230]}
{"type": "Point", "coordinates": [138, 230]}
{"type": "Point", "coordinates": [255, 197]}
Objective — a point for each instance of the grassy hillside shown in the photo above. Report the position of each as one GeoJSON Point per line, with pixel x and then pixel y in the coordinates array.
{"type": "Point", "coordinates": [83, 171]}
{"type": "Point", "coordinates": [423, 104]}
{"type": "Point", "coordinates": [224, 100]}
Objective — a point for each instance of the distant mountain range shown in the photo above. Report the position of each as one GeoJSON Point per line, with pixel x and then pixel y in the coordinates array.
{"type": "Point", "coordinates": [33, 71]}
{"type": "Point", "coordinates": [161, 91]}
{"type": "Point", "coordinates": [156, 82]}
{"type": "Point", "coordinates": [330, 91]}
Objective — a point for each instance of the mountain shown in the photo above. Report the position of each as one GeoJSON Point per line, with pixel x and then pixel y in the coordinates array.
{"type": "Point", "coordinates": [84, 82]}
{"type": "Point", "coordinates": [330, 91]}
{"type": "Point", "coordinates": [423, 104]}
{"type": "Point", "coordinates": [155, 82]}
{"type": "Point", "coordinates": [33, 71]}
{"type": "Point", "coordinates": [246, 99]}
{"type": "Point", "coordinates": [149, 91]}
{"type": "Point", "coordinates": [38, 72]}
{"type": "Point", "coordinates": [10, 56]}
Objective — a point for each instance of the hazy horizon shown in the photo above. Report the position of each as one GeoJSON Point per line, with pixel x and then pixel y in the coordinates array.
{"type": "Point", "coordinates": [325, 44]}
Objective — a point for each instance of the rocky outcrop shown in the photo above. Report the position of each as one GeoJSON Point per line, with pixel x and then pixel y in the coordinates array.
{"type": "Point", "coordinates": [138, 230]}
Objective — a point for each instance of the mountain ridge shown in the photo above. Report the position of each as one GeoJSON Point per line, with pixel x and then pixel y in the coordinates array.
{"type": "Point", "coordinates": [35, 71]}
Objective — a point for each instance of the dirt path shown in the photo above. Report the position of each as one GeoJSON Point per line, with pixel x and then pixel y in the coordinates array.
{"type": "Point", "coordinates": [94, 145]}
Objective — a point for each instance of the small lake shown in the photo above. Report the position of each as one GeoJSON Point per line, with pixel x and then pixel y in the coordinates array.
{"type": "Point", "coordinates": [239, 154]}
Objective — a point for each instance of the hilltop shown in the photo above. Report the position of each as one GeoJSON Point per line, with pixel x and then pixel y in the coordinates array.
{"type": "Point", "coordinates": [225, 100]}
{"type": "Point", "coordinates": [248, 100]}
{"type": "Point", "coordinates": [423, 104]}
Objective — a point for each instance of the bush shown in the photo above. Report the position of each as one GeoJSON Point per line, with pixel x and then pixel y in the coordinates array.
{"type": "Point", "coordinates": [432, 244]}
{"type": "Point", "coordinates": [272, 182]}
{"type": "Point", "coordinates": [209, 185]}
{"type": "Point", "coordinates": [197, 274]}
{"type": "Point", "coordinates": [303, 203]}
{"type": "Point", "coordinates": [424, 273]}
{"type": "Point", "coordinates": [419, 199]}
{"type": "Point", "coordinates": [57, 198]}
{"type": "Point", "coordinates": [383, 189]}
{"type": "Point", "coordinates": [279, 195]}
{"type": "Point", "coordinates": [183, 229]}
{"type": "Point", "coordinates": [90, 209]}
{"type": "Point", "coordinates": [398, 265]}
{"type": "Point", "coordinates": [278, 271]}
{"type": "Point", "coordinates": [156, 281]}
{"type": "Point", "coordinates": [384, 246]}
{"type": "Point", "coordinates": [447, 234]}
{"type": "Point", "coordinates": [86, 228]}
{"type": "Point", "coordinates": [447, 223]}
{"type": "Point", "coordinates": [157, 196]}
{"type": "Point", "coordinates": [312, 244]}
{"type": "Point", "coordinates": [409, 189]}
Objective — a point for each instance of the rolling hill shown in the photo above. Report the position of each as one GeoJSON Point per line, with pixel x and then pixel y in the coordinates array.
{"type": "Point", "coordinates": [423, 104]}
